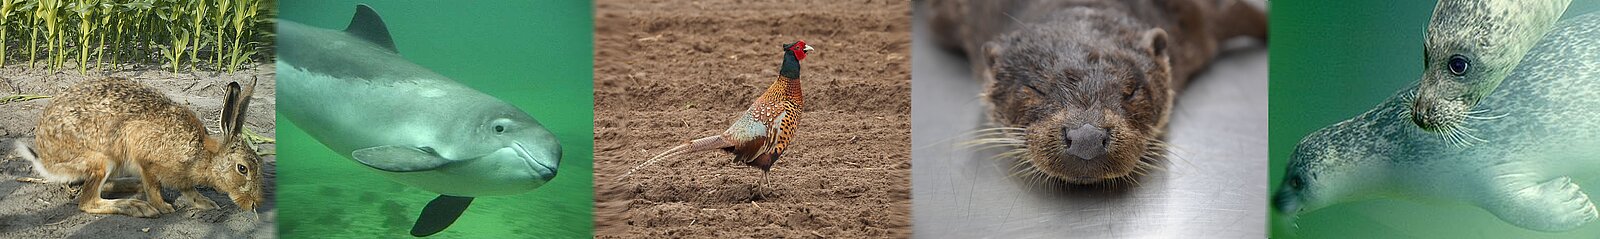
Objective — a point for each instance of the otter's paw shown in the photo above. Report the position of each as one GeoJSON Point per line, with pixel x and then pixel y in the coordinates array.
{"type": "Point", "coordinates": [1551, 206]}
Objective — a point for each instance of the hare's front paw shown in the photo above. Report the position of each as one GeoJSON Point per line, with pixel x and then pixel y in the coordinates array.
{"type": "Point", "coordinates": [193, 199]}
{"type": "Point", "coordinates": [132, 207]}
{"type": "Point", "coordinates": [164, 207]}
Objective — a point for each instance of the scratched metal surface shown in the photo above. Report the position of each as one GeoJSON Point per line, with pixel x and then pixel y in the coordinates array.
{"type": "Point", "coordinates": [1215, 187]}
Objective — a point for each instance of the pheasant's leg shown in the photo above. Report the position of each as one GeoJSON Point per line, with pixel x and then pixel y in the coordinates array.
{"type": "Point", "coordinates": [761, 188]}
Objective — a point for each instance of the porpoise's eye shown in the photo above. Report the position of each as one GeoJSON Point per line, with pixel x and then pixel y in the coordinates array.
{"type": "Point", "coordinates": [1458, 65]}
{"type": "Point", "coordinates": [501, 125]}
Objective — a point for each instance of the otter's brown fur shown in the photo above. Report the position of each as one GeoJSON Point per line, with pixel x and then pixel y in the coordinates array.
{"type": "Point", "coordinates": [1090, 70]}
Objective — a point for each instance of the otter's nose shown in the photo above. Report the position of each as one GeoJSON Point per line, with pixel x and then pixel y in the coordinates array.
{"type": "Point", "coordinates": [1087, 142]}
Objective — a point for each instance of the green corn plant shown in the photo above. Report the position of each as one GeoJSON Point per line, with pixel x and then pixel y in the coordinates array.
{"type": "Point", "coordinates": [33, 31]}
{"type": "Point", "coordinates": [5, 22]}
{"type": "Point", "coordinates": [84, 8]}
{"type": "Point", "coordinates": [244, 13]}
{"type": "Point", "coordinates": [242, 56]}
{"type": "Point", "coordinates": [195, 29]}
{"type": "Point", "coordinates": [171, 33]}
{"type": "Point", "coordinates": [140, 32]}
{"type": "Point", "coordinates": [179, 37]}
{"type": "Point", "coordinates": [221, 21]}
{"type": "Point", "coordinates": [47, 13]}
{"type": "Point", "coordinates": [108, 10]}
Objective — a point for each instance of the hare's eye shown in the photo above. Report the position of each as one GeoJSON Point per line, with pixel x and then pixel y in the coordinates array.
{"type": "Point", "coordinates": [240, 168]}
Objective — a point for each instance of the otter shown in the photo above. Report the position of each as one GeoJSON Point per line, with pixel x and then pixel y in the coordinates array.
{"type": "Point", "coordinates": [1471, 46]}
{"type": "Point", "coordinates": [1081, 89]}
{"type": "Point", "coordinates": [1545, 139]}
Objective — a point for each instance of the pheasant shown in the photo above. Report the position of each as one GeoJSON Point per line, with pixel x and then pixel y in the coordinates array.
{"type": "Point", "coordinates": [760, 135]}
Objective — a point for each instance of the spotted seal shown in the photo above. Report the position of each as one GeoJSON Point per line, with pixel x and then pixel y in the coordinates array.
{"type": "Point", "coordinates": [1523, 175]}
{"type": "Point", "coordinates": [1471, 46]}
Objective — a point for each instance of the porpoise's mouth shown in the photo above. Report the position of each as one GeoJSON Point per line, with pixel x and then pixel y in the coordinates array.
{"type": "Point", "coordinates": [545, 171]}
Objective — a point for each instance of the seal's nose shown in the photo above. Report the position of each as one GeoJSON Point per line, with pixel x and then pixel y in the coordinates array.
{"type": "Point", "coordinates": [1087, 142]}
{"type": "Point", "coordinates": [1285, 201]}
{"type": "Point", "coordinates": [1419, 109]}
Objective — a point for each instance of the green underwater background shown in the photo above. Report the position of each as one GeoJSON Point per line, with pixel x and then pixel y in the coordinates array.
{"type": "Point", "coordinates": [1333, 61]}
{"type": "Point", "coordinates": [536, 55]}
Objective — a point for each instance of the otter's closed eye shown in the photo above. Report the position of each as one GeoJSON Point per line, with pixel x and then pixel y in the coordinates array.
{"type": "Point", "coordinates": [1132, 90]}
{"type": "Point", "coordinates": [1458, 65]}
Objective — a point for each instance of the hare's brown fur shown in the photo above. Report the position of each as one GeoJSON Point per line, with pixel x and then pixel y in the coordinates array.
{"type": "Point", "coordinates": [117, 127]}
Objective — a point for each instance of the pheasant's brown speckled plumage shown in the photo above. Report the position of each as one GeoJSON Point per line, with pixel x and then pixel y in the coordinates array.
{"type": "Point", "coordinates": [777, 110]}
{"type": "Point", "coordinates": [760, 135]}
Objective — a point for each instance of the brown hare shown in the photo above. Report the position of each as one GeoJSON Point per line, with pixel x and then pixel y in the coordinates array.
{"type": "Point", "coordinates": [117, 127]}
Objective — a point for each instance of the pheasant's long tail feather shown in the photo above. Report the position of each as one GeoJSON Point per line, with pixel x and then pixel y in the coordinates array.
{"type": "Point", "coordinates": [702, 144]}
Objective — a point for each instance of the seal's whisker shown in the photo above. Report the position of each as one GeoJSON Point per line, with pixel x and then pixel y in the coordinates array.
{"type": "Point", "coordinates": [1478, 115]}
{"type": "Point", "coordinates": [1406, 100]}
{"type": "Point", "coordinates": [1459, 136]}
{"type": "Point", "coordinates": [1487, 117]}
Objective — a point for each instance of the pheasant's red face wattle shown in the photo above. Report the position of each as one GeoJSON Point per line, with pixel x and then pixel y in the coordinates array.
{"type": "Point", "coordinates": [799, 49]}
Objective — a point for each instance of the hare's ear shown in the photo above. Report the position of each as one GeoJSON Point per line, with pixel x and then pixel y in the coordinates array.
{"type": "Point", "coordinates": [242, 106]}
{"type": "Point", "coordinates": [230, 108]}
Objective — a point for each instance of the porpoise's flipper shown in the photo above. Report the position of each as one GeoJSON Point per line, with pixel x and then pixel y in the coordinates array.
{"type": "Point", "coordinates": [439, 214]}
{"type": "Point", "coordinates": [395, 158]}
{"type": "Point", "coordinates": [1551, 206]}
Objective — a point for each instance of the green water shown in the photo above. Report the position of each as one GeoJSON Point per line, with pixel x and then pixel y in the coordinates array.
{"type": "Point", "coordinates": [533, 54]}
{"type": "Point", "coordinates": [1332, 61]}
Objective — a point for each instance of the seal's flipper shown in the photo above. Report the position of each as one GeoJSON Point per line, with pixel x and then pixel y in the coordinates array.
{"type": "Point", "coordinates": [394, 158]}
{"type": "Point", "coordinates": [1551, 206]}
{"type": "Point", "coordinates": [439, 214]}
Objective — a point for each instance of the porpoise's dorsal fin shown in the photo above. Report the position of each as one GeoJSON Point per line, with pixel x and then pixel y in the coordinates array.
{"type": "Point", "coordinates": [368, 26]}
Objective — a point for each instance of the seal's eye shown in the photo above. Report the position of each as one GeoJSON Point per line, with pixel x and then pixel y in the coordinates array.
{"type": "Point", "coordinates": [1294, 182]}
{"type": "Point", "coordinates": [240, 168]}
{"type": "Point", "coordinates": [1458, 65]}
